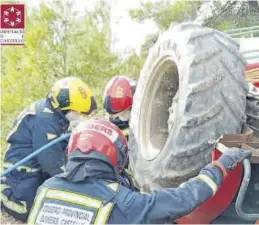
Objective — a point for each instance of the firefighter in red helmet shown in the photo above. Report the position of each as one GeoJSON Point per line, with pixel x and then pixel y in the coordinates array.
{"type": "Point", "coordinates": [93, 190]}
{"type": "Point", "coordinates": [118, 99]}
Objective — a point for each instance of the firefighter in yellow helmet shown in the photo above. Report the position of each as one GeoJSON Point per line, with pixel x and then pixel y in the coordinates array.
{"type": "Point", "coordinates": [37, 125]}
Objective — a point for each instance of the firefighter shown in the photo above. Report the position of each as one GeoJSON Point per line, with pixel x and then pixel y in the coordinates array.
{"type": "Point", "coordinates": [43, 121]}
{"type": "Point", "coordinates": [118, 99]}
{"type": "Point", "coordinates": [94, 189]}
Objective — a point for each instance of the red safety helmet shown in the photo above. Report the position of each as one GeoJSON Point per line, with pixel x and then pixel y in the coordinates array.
{"type": "Point", "coordinates": [118, 94]}
{"type": "Point", "coordinates": [102, 136]}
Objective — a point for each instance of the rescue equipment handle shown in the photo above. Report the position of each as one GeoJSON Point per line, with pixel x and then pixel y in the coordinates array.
{"type": "Point", "coordinates": [38, 151]}
{"type": "Point", "coordinates": [242, 192]}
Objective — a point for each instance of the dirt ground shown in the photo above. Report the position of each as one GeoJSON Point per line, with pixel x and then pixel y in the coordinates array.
{"type": "Point", "coordinates": [7, 219]}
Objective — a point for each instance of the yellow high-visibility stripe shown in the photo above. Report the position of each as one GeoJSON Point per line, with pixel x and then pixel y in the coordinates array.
{"type": "Point", "coordinates": [181, 185]}
{"type": "Point", "coordinates": [36, 206]}
{"type": "Point", "coordinates": [63, 168]}
{"type": "Point", "coordinates": [113, 186]}
{"type": "Point", "coordinates": [209, 182]}
{"type": "Point", "coordinates": [10, 204]}
{"type": "Point", "coordinates": [3, 187]}
{"type": "Point", "coordinates": [125, 132]}
{"type": "Point", "coordinates": [103, 213]}
{"type": "Point", "coordinates": [28, 111]}
{"type": "Point", "coordinates": [47, 110]}
{"type": "Point", "coordinates": [7, 149]}
{"type": "Point", "coordinates": [51, 136]}
{"type": "Point", "coordinates": [22, 209]}
{"type": "Point", "coordinates": [128, 171]}
{"type": "Point", "coordinates": [19, 168]}
{"type": "Point", "coordinates": [74, 198]}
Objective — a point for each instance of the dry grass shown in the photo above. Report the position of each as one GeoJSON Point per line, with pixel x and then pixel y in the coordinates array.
{"type": "Point", "coordinates": [7, 219]}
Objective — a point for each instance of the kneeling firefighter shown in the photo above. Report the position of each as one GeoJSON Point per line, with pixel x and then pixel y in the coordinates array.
{"type": "Point", "coordinates": [118, 99]}
{"type": "Point", "coordinates": [94, 184]}
{"type": "Point", "coordinates": [37, 125]}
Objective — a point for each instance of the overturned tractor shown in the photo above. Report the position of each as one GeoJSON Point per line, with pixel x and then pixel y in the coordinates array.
{"type": "Point", "coordinates": [193, 99]}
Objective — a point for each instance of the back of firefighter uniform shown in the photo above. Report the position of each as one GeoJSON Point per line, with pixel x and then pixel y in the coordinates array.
{"type": "Point", "coordinates": [118, 99]}
{"type": "Point", "coordinates": [94, 191]}
{"type": "Point", "coordinates": [37, 125]}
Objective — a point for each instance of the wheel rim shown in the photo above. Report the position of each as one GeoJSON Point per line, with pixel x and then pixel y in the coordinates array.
{"type": "Point", "coordinates": [161, 88]}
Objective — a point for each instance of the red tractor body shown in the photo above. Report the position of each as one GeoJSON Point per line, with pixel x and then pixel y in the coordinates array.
{"type": "Point", "coordinates": [212, 208]}
{"type": "Point", "coordinates": [253, 67]}
{"type": "Point", "coordinates": [225, 195]}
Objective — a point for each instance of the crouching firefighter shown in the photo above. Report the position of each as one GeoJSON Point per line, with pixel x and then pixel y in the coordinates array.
{"type": "Point", "coordinates": [118, 99]}
{"type": "Point", "coordinates": [37, 125]}
{"type": "Point", "coordinates": [95, 188]}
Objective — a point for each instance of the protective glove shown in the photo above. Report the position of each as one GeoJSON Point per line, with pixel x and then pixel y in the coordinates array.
{"type": "Point", "coordinates": [232, 157]}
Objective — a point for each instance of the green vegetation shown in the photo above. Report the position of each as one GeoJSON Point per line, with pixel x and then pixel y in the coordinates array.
{"type": "Point", "coordinates": [233, 14]}
{"type": "Point", "coordinates": [163, 13]}
{"type": "Point", "coordinates": [224, 15]}
{"type": "Point", "coordinates": [59, 44]}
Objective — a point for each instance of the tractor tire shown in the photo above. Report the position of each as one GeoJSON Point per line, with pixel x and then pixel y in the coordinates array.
{"type": "Point", "coordinates": [252, 111]}
{"type": "Point", "coordinates": [191, 91]}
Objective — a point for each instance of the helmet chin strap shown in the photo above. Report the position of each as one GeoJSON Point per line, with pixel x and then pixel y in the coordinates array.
{"type": "Point", "coordinates": [123, 178]}
{"type": "Point", "coordinates": [122, 175]}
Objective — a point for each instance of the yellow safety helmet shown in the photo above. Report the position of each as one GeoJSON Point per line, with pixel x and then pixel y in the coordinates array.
{"type": "Point", "coordinates": [72, 93]}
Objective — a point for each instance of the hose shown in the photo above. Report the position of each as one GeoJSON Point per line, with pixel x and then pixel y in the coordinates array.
{"type": "Point", "coordinates": [38, 151]}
